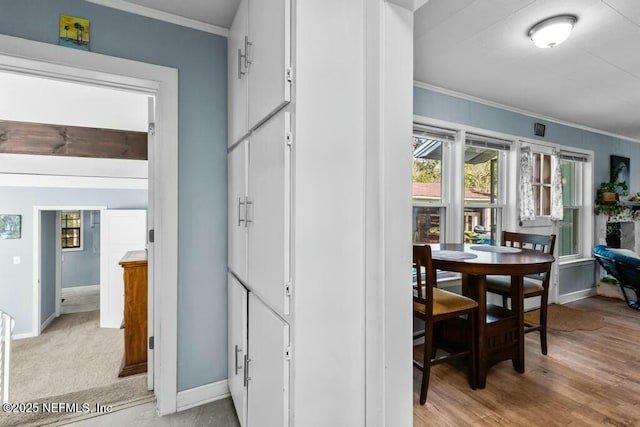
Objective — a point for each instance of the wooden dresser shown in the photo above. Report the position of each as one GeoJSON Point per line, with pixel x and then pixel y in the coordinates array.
{"type": "Point", "coordinates": [134, 361]}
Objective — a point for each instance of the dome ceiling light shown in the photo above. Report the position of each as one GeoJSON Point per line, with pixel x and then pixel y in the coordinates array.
{"type": "Point", "coordinates": [552, 31]}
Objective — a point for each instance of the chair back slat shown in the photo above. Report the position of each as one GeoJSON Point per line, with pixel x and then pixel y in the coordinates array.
{"type": "Point", "coordinates": [538, 242]}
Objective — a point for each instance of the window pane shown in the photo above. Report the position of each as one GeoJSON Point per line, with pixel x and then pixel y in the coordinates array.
{"type": "Point", "coordinates": [536, 200]}
{"type": "Point", "coordinates": [546, 200]}
{"type": "Point", "coordinates": [536, 168]}
{"type": "Point", "coordinates": [426, 224]}
{"type": "Point", "coordinates": [480, 175]}
{"type": "Point", "coordinates": [546, 169]}
{"type": "Point", "coordinates": [568, 232]}
{"type": "Point", "coordinates": [481, 225]}
{"type": "Point", "coordinates": [568, 182]}
{"type": "Point", "coordinates": [427, 170]}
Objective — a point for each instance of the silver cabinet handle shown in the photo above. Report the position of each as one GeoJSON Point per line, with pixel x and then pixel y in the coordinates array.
{"type": "Point", "coordinates": [246, 370]}
{"type": "Point", "coordinates": [247, 59]}
{"type": "Point", "coordinates": [246, 211]}
{"type": "Point", "coordinates": [240, 58]}
{"type": "Point", "coordinates": [238, 367]}
{"type": "Point", "coordinates": [240, 219]}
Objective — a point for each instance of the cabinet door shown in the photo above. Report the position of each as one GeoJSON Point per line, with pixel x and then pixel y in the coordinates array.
{"type": "Point", "coordinates": [237, 343]}
{"type": "Point", "coordinates": [236, 194]}
{"type": "Point", "coordinates": [268, 212]}
{"type": "Point", "coordinates": [237, 77]}
{"type": "Point", "coordinates": [270, 58]}
{"type": "Point", "coordinates": [268, 387]}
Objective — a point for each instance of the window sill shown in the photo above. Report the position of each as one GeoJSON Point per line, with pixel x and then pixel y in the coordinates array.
{"type": "Point", "coordinates": [80, 249]}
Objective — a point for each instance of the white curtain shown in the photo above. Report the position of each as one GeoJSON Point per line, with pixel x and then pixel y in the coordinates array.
{"type": "Point", "coordinates": [557, 205]}
{"type": "Point", "coordinates": [527, 212]}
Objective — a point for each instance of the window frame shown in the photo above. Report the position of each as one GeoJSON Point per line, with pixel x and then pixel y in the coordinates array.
{"type": "Point", "coordinates": [80, 231]}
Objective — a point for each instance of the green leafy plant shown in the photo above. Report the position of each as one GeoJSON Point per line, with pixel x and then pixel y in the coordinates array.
{"type": "Point", "coordinates": [612, 187]}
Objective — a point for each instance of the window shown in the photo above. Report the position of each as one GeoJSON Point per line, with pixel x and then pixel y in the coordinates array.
{"type": "Point", "coordinates": [541, 184]}
{"type": "Point", "coordinates": [429, 207]}
{"type": "Point", "coordinates": [71, 230]}
{"type": "Point", "coordinates": [484, 160]}
{"type": "Point", "coordinates": [569, 230]}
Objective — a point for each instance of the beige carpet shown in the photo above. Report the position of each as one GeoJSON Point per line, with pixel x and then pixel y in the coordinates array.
{"type": "Point", "coordinates": [563, 318]}
{"type": "Point", "coordinates": [73, 360]}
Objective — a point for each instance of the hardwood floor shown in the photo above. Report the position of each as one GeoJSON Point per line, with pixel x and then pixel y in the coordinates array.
{"type": "Point", "coordinates": [589, 378]}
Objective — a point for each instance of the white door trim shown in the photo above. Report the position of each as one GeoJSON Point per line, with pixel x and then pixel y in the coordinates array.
{"type": "Point", "coordinates": [37, 231]}
{"type": "Point", "coordinates": [42, 59]}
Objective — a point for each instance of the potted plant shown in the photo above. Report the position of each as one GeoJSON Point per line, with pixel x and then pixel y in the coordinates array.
{"type": "Point", "coordinates": [608, 192]}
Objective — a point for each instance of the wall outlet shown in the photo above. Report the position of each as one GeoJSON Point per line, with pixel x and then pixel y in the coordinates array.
{"type": "Point", "coordinates": [16, 259]}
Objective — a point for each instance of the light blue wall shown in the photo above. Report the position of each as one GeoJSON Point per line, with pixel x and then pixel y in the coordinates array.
{"type": "Point", "coordinates": [82, 268]}
{"type": "Point", "coordinates": [47, 265]}
{"type": "Point", "coordinates": [445, 107]}
{"type": "Point", "coordinates": [202, 169]}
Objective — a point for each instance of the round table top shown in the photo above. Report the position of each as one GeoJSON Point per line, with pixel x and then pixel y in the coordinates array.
{"type": "Point", "coordinates": [487, 259]}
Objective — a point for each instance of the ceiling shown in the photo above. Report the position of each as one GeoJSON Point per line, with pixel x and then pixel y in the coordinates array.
{"type": "Point", "coordinates": [481, 48]}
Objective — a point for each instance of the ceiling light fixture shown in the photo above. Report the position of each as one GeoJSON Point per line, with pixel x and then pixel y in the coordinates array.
{"type": "Point", "coordinates": [552, 31]}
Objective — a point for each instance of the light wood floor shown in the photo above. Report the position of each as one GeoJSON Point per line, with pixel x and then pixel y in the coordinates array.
{"type": "Point", "coordinates": [589, 378]}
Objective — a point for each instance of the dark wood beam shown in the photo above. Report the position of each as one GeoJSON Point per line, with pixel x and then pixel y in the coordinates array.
{"type": "Point", "coordinates": [73, 141]}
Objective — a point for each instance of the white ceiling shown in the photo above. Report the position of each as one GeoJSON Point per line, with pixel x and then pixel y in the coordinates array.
{"type": "Point", "coordinates": [480, 48]}
{"type": "Point", "coordinates": [213, 12]}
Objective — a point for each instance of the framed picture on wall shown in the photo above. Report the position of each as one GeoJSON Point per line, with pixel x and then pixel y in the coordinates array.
{"type": "Point", "coordinates": [10, 226]}
{"type": "Point", "coordinates": [620, 171]}
{"type": "Point", "coordinates": [74, 32]}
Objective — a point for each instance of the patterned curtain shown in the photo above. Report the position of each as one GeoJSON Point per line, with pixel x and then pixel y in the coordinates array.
{"type": "Point", "coordinates": [527, 212]}
{"type": "Point", "coordinates": [557, 205]}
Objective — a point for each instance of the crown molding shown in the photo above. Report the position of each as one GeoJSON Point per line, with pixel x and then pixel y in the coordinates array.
{"type": "Point", "coordinates": [162, 16]}
{"type": "Point", "coordinates": [488, 103]}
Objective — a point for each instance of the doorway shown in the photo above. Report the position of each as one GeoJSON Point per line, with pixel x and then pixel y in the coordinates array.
{"type": "Point", "coordinates": [160, 82]}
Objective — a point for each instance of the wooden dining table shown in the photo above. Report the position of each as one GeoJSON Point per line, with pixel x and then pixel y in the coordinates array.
{"type": "Point", "coordinates": [500, 332]}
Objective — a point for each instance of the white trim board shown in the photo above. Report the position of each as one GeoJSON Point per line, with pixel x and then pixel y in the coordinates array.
{"type": "Point", "coordinates": [204, 394]}
{"type": "Point", "coordinates": [162, 16]}
{"type": "Point", "coordinates": [531, 114]}
{"type": "Point", "coordinates": [55, 62]}
{"type": "Point", "coordinates": [578, 295]}
{"type": "Point", "coordinates": [56, 181]}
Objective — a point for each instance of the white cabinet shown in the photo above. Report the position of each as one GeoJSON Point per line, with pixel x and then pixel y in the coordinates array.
{"type": "Point", "coordinates": [268, 367]}
{"type": "Point", "coordinates": [259, 198]}
{"type": "Point", "coordinates": [259, 58]}
{"type": "Point", "coordinates": [237, 346]}
{"type": "Point", "coordinates": [259, 211]}
{"type": "Point", "coordinates": [237, 163]}
{"type": "Point", "coordinates": [269, 57]}
{"type": "Point", "coordinates": [268, 212]}
{"type": "Point", "coordinates": [237, 79]}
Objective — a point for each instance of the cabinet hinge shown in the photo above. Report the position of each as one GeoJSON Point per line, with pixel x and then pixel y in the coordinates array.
{"type": "Point", "coordinates": [289, 74]}
{"type": "Point", "coordinates": [289, 138]}
{"type": "Point", "coordinates": [151, 343]}
{"type": "Point", "coordinates": [287, 353]}
{"type": "Point", "coordinates": [287, 289]}
{"type": "Point", "coordinates": [152, 129]}
{"type": "Point", "coordinates": [152, 235]}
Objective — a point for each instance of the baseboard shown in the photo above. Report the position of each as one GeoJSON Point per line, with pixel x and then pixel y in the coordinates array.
{"type": "Point", "coordinates": [200, 395]}
{"type": "Point", "coordinates": [47, 322]}
{"type": "Point", "coordinates": [574, 296]}
{"type": "Point", "coordinates": [22, 336]}
{"type": "Point", "coordinates": [79, 290]}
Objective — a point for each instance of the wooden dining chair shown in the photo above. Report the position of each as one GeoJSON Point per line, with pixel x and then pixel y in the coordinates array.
{"type": "Point", "coordinates": [533, 285]}
{"type": "Point", "coordinates": [433, 305]}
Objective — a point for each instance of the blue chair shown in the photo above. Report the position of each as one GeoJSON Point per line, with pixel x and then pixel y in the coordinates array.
{"type": "Point", "coordinates": [625, 269]}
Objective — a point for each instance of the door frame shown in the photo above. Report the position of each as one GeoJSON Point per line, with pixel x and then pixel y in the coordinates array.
{"type": "Point", "coordinates": [37, 263]}
{"type": "Point", "coordinates": [46, 60]}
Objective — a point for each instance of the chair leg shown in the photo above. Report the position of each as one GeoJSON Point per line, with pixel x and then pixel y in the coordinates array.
{"type": "Point", "coordinates": [426, 370]}
{"type": "Point", "coordinates": [544, 305]}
